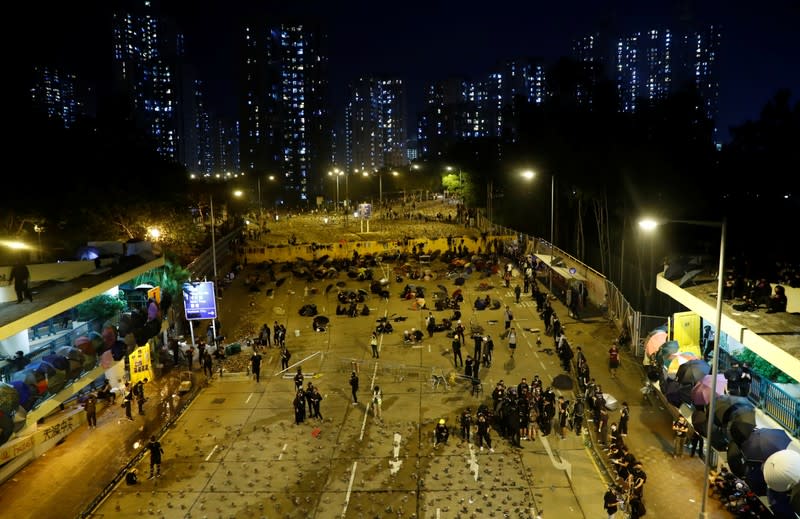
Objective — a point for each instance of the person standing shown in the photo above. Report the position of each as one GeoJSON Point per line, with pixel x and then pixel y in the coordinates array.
{"type": "Point", "coordinates": [430, 324]}
{"type": "Point", "coordinates": [190, 357]}
{"type": "Point", "coordinates": [138, 392]}
{"type": "Point", "coordinates": [466, 424]}
{"type": "Point", "coordinates": [90, 405]}
{"type": "Point", "coordinates": [298, 379]}
{"type": "Point", "coordinates": [696, 444]}
{"type": "Point", "coordinates": [127, 401]}
{"type": "Point", "coordinates": [517, 292]}
{"type": "Point", "coordinates": [457, 352]}
{"type": "Point", "coordinates": [613, 360]}
{"type": "Point", "coordinates": [373, 342]}
{"type": "Point", "coordinates": [610, 502]}
{"type": "Point", "coordinates": [255, 365]}
{"type": "Point", "coordinates": [354, 387]}
{"type": "Point", "coordinates": [680, 428]}
{"type": "Point", "coordinates": [285, 356]}
{"type": "Point", "coordinates": [377, 403]}
{"type": "Point", "coordinates": [577, 416]}
{"type": "Point", "coordinates": [154, 446]}
{"type": "Point", "coordinates": [20, 276]}
{"type": "Point", "coordinates": [299, 404]}
{"type": "Point", "coordinates": [625, 415]}
{"type": "Point", "coordinates": [208, 364]}
{"type": "Point", "coordinates": [512, 342]}
{"type": "Point", "coordinates": [508, 317]}
{"type": "Point", "coordinates": [483, 432]}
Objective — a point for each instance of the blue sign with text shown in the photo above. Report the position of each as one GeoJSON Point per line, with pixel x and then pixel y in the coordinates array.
{"type": "Point", "coordinates": [199, 301]}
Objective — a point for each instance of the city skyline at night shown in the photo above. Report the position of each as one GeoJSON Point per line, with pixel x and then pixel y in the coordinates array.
{"type": "Point", "coordinates": [425, 43]}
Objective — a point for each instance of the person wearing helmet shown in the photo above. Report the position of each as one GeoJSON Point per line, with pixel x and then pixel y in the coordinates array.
{"type": "Point", "coordinates": [441, 433]}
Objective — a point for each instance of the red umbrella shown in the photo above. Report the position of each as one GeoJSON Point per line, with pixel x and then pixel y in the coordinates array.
{"type": "Point", "coordinates": [701, 392]}
{"type": "Point", "coordinates": [654, 341]}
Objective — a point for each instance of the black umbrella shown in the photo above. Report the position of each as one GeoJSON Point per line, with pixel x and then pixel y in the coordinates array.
{"type": "Point", "coordinates": [328, 288]}
{"type": "Point", "coordinates": [724, 405]}
{"type": "Point", "coordinates": [739, 431]}
{"type": "Point", "coordinates": [443, 288]}
{"type": "Point", "coordinates": [562, 381]}
{"type": "Point", "coordinates": [719, 440]}
{"type": "Point", "coordinates": [763, 443]}
{"type": "Point", "coordinates": [736, 461]}
{"type": "Point", "coordinates": [340, 283]}
{"type": "Point", "coordinates": [280, 282]}
{"type": "Point", "coordinates": [677, 393]}
{"type": "Point", "coordinates": [692, 372]}
{"type": "Point", "coordinates": [699, 421]}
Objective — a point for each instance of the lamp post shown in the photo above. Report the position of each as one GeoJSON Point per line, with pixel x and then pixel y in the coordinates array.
{"type": "Point", "coordinates": [336, 173]}
{"type": "Point", "coordinates": [649, 225]}
{"type": "Point", "coordinates": [529, 175]}
{"type": "Point", "coordinates": [39, 229]}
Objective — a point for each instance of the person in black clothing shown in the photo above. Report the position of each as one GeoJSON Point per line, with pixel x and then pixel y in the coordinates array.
{"type": "Point", "coordinates": [285, 356]}
{"type": "Point", "coordinates": [316, 398]}
{"type": "Point", "coordinates": [20, 276]}
{"type": "Point", "coordinates": [610, 502]}
{"type": "Point", "coordinates": [299, 404]}
{"type": "Point", "coordinates": [745, 380]}
{"type": "Point", "coordinates": [208, 364]}
{"type": "Point", "coordinates": [154, 446]}
{"type": "Point", "coordinates": [127, 400]}
{"type": "Point", "coordinates": [298, 379]}
{"type": "Point", "coordinates": [457, 352]}
{"type": "Point", "coordinates": [483, 432]}
{"type": "Point", "coordinates": [255, 365]}
{"type": "Point", "coordinates": [19, 361]}
{"type": "Point", "coordinates": [517, 292]}
{"type": "Point", "coordinates": [309, 392]}
{"type": "Point", "coordinates": [138, 392]}
{"type": "Point", "coordinates": [354, 387]}
{"type": "Point", "coordinates": [625, 415]}
{"type": "Point", "coordinates": [466, 424]}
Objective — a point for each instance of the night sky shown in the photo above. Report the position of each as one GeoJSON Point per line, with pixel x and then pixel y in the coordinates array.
{"type": "Point", "coordinates": [421, 41]}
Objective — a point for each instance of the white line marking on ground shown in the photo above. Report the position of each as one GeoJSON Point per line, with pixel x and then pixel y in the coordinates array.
{"type": "Point", "coordinates": [349, 489]}
{"type": "Point", "coordinates": [282, 451]}
{"type": "Point", "coordinates": [559, 465]}
{"type": "Point", "coordinates": [248, 398]}
{"type": "Point", "coordinates": [394, 465]}
{"type": "Point", "coordinates": [474, 469]}
{"type": "Point", "coordinates": [369, 403]}
{"type": "Point", "coordinates": [212, 452]}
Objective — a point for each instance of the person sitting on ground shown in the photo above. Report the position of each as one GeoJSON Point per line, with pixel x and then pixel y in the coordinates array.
{"type": "Point", "coordinates": [106, 393]}
{"type": "Point", "coordinates": [778, 300]}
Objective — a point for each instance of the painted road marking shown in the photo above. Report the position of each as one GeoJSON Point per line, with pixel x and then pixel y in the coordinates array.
{"type": "Point", "coordinates": [473, 462]}
{"type": "Point", "coordinates": [248, 398]}
{"type": "Point", "coordinates": [559, 465]}
{"type": "Point", "coordinates": [282, 451]}
{"type": "Point", "coordinates": [212, 452]}
{"type": "Point", "coordinates": [349, 489]}
{"type": "Point", "coordinates": [394, 465]}
{"type": "Point", "coordinates": [366, 409]}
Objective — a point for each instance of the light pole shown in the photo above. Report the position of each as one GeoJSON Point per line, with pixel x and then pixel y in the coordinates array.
{"type": "Point", "coordinates": [39, 229]}
{"type": "Point", "coordinates": [650, 225]}
{"type": "Point", "coordinates": [336, 173]}
{"type": "Point", "coordinates": [529, 175]}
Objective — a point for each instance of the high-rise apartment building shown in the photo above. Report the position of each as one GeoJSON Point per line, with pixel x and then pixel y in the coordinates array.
{"type": "Point", "coordinates": [57, 95]}
{"type": "Point", "coordinates": [647, 66]}
{"type": "Point", "coordinates": [375, 124]}
{"type": "Point", "coordinates": [284, 116]}
{"type": "Point", "coordinates": [459, 108]}
{"type": "Point", "coordinates": [148, 53]}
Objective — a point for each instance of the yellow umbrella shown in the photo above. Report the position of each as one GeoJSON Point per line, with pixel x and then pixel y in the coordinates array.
{"type": "Point", "coordinates": [677, 359]}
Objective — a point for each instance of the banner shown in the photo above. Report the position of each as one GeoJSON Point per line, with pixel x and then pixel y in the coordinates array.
{"type": "Point", "coordinates": [139, 361]}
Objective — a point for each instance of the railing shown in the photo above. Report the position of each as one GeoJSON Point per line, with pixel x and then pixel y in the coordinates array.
{"type": "Point", "coordinates": [777, 403]}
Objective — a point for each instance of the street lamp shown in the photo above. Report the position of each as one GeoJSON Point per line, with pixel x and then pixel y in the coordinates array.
{"type": "Point", "coordinates": [380, 183]}
{"type": "Point", "coordinates": [649, 225]}
{"type": "Point", "coordinates": [39, 229]}
{"type": "Point", "coordinates": [271, 178]}
{"type": "Point", "coordinates": [336, 173]}
{"type": "Point", "coordinates": [460, 181]}
{"type": "Point", "coordinates": [529, 175]}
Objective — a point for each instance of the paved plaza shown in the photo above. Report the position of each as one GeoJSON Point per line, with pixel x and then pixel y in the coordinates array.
{"type": "Point", "coordinates": [236, 451]}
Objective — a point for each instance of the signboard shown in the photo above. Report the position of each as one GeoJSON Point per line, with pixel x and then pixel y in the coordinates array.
{"type": "Point", "coordinates": [365, 210]}
{"type": "Point", "coordinates": [199, 301]}
{"type": "Point", "coordinates": [139, 362]}
{"type": "Point", "coordinates": [155, 294]}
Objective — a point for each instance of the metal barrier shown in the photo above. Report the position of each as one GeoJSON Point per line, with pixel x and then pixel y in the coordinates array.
{"type": "Point", "coordinates": [777, 403]}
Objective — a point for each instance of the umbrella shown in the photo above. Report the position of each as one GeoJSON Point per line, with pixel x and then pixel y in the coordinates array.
{"type": "Point", "coordinates": [724, 404]}
{"type": "Point", "coordinates": [693, 371]}
{"type": "Point", "coordinates": [107, 359]}
{"type": "Point", "coordinates": [9, 398]}
{"type": "Point", "coordinates": [736, 461]}
{"type": "Point", "coordinates": [739, 430]}
{"type": "Point", "coordinates": [677, 393]}
{"type": "Point", "coordinates": [562, 381]}
{"type": "Point", "coordinates": [26, 394]}
{"type": "Point", "coordinates": [688, 277]}
{"type": "Point", "coordinates": [782, 470]}
{"type": "Point", "coordinates": [665, 351]}
{"type": "Point", "coordinates": [611, 402]}
{"type": "Point", "coordinates": [763, 443]}
{"type": "Point", "coordinates": [676, 360]}
{"type": "Point", "coordinates": [699, 421]}
{"type": "Point", "coordinates": [701, 392]}
{"type": "Point", "coordinates": [654, 341]}
{"type": "Point", "coordinates": [43, 367]}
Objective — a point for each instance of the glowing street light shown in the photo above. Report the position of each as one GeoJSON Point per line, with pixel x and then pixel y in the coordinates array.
{"type": "Point", "coordinates": [649, 224]}
{"type": "Point", "coordinates": [530, 175]}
